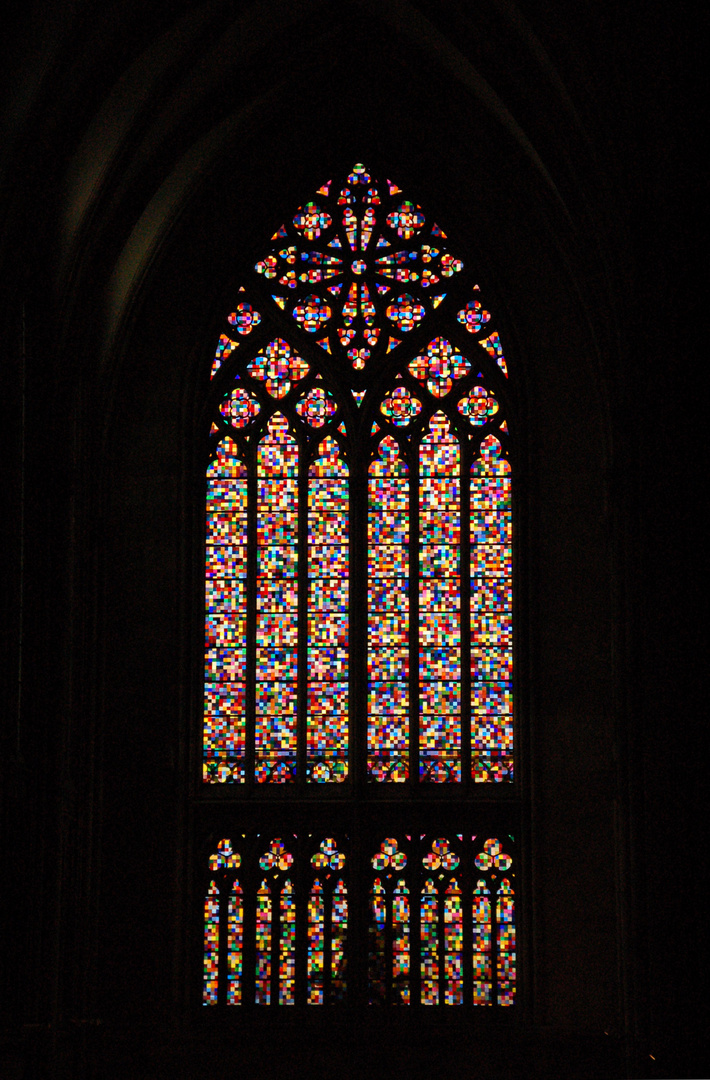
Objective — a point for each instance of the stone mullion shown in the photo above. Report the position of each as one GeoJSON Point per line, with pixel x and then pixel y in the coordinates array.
{"type": "Point", "coordinates": [251, 593]}
{"type": "Point", "coordinates": [302, 647]}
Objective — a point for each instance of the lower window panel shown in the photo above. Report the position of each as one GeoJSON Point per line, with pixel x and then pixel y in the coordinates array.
{"type": "Point", "coordinates": [406, 920]}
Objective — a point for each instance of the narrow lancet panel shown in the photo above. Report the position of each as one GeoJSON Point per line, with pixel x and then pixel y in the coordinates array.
{"type": "Point", "coordinates": [225, 629]}
{"type": "Point", "coordinates": [377, 970]}
{"type": "Point", "coordinates": [316, 943]}
{"type": "Point", "coordinates": [429, 955]}
{"type": "Point", "coordinates": [276, 604]}
{"type": "Point", "coordinates": [287, 950]}
{"type": "Point", "coordinates": [339, 941]}
{"type": "Point", "coordinates": [263, 944]}
{"type": "Point", "coordinates": [491, 616]}
{"type": "Point", "coordinates": [482, 944]}
{"type": "Point", "coordinates": [388, 616]}
{"type": "Point", "coordinates": [328, 616]}
{"type": "Point", "coordinates": [235, 940]}
{"type": "Point", "coordinates": [210, 964]}
{"type": "Point", "coordinates": [439, 604]}
{"type": "Point", "coordinates": [400, 944]}
{"type": "Point", "coordinates": [505, 916]}
{"type": "Point", "coordinates": [453, 945]}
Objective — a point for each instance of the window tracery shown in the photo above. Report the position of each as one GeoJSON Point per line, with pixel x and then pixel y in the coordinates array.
{"type": "Point", "coordinates": [441, 922]}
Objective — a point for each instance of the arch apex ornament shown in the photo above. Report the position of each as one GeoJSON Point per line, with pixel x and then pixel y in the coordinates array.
{"type": "Point", "coordinates": [360, 243]}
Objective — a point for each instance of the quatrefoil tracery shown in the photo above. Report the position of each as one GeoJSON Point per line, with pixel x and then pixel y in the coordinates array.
{"type": "Point", "coordinates": [361, 236]}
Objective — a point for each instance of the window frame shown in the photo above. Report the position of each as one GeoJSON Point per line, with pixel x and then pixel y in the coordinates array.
{"type": "Point", "coordinates": [355, 806]}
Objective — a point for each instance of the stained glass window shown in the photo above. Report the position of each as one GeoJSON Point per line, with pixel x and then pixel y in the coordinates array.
{"type": "Point", "coordinates": [359, 602]}
{"type": "Point", "coordinates": [433, 960]}
{"type": "Point", "coordinates": [440, 924]}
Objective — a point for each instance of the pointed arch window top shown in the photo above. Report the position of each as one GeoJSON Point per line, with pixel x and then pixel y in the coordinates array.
{"type": "Point", "coordinates": [380, 415]}
{"type": "Point", "coordinates": [342, 260]}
